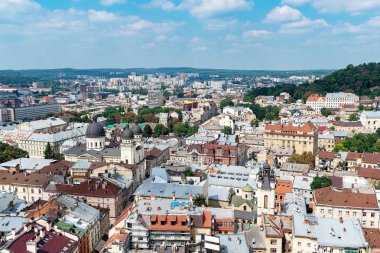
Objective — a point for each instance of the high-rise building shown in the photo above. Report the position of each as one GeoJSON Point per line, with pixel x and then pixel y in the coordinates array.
{"type": "Point", "coordinates": [155, 98]}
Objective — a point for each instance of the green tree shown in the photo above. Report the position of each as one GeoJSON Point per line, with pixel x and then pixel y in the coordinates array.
{"type": "Point", "coordinates": [139, 120]}
{"type": "Point", "coordinates": [199, 200]}
{"type": "Point", "coordinates": [255, 123]}
{"type": "Point", "coordinates": [59, 157]}
{"type": "Point", "coordinates": [208, 96]}
{"type": "Point", "coordinates": [304, 158]}
{"type": "Point", "coordinates": [227, 130]}
{"type": "Point", "coordinates": [353, 117]}
{"type": "Point", "coordinates": [320, 182]}
{"type": "Point", "coordinates": [326, 112]}
{"type": "Point", "coordinates": [226, 102]}
{"type": "Point", "coordinates": [160, 130]}
{"type": "Point", "coordinates": [8, 152]}
{"type": "Point", "coordinates": [48, 153]}
{"type": "Point", "coordinates": [147, 131]}
{"type": "Point", "coordinates": [188, 172]}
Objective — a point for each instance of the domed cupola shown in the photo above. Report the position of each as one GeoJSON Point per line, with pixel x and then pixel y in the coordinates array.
{"type": "Point", "coordinates": [95, 130]}
{"type": "Point", "coordinates": [127, 134]}
{"type": "Point", "coordinates": [136, 129]}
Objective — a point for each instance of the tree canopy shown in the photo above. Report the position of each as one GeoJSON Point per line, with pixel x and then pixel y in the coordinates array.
{"type": "Point", "coordinates": [304, 158]}
{"type": "Point", "coordinates": [8, 152]}
{"type": "Point", "coordinates": [363, 79]}
{"type": "Point", "coordinates": [360, 143]}
{"type": "Point", "coordinates": [227, 130]}
{"type": "Point", "coordinates": [226, 102]}
{"type": "Point", "coordinates": [320, 182]}
{"type": "Point", "coordinates": [326, 112]}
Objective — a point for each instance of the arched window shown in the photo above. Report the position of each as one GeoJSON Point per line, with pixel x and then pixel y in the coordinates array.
{"type": "Point", "coordinates": [266, 201]}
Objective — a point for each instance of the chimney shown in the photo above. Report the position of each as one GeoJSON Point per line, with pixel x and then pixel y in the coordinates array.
{"type": "Point", "coordinates": [42, 233]}
{"type": "Point", "coordinates": [13, 233]}
{"type": "Point", "coordinates": [31, 246]}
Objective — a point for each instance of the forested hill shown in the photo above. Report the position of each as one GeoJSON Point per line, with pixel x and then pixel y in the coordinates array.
{"type": "Point", "coordinates": [363, 79]}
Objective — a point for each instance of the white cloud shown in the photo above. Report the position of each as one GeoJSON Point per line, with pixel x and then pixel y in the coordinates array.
{"type": "Point", "coordinates": [208, 8]}
{"type": "Point", "coordinates": [368, 28]}
{"type": "Point", "coordinates": [138, 25]}
{"type": "Point", "coordinates": [252, 34]}
{"type": "Point", "coordinates": [161, 37]}
{"type": "Point", "coordinates": [338, 6]}
{"type": "Point", "coordinates": [216, 24]}
{"type": "Point", "coordinates": [165, 5]}
{"type": "Point", "coordinates": [111, 2]}
{"type": "Point", "coordinates": [101, 16]}
{"type": "Point", "coordinates": [302, 26]}
{"type": "Point", "coordinates": [200, 49]}
{"type": "Point", "coordinates": [283, 14]}
{"type": "Point", "coordinates": [10, 8]}
{"type": "Point", "coordinates": [203, 8]}
{"type": "Point", "coordinates": [295, 2]}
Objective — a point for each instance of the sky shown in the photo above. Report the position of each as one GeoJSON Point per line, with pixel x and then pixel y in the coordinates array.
{"type": "Point", "coordinates": [228, 34]}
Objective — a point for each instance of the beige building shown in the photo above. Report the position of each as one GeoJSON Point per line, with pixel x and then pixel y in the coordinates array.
{"type": "Point", "coordinates": [28, 187]}
{"type": "Point", "coordinates": [347, 204]}
{"type": "Point", "coordinates": [300, 138]}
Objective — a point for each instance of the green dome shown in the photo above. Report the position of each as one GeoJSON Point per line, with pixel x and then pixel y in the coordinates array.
{"type": "Point", "coordinates": [247, 188]}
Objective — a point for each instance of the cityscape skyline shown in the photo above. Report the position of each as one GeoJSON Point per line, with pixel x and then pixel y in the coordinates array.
{"type": "Point", "coordinates": [216, 34]}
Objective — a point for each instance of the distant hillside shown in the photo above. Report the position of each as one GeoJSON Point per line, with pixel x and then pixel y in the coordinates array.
{"type": "Point", "coordinates": [363, 79]}
{"type": "Point", "coordinates": [8, 76]}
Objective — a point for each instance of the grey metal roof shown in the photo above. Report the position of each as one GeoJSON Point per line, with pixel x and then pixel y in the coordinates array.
{"type": "Point", "coordinates": [78, 151]}
{"type": "Point", "coordinates": [166, 190]}
{"type": "Point", "coordinates": [95, 130]}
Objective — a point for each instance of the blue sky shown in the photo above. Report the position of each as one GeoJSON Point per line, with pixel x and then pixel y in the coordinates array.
{"type": "Point", "coordinates": [233, 34]}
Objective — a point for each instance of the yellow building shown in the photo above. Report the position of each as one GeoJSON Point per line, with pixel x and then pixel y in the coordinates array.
{"type": "Point", "coordinates": [300, 138]}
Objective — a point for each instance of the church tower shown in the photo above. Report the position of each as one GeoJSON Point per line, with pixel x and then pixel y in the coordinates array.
{"type": "Point", "coordinates": [127, 146]}
{"type": "Point", "coordinates": [266, 190]}
{"type": "Point", "coordinates": [95, 136]}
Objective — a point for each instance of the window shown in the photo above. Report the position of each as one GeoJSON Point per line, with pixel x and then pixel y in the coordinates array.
{"type": "Point", "coordinates": [372, 215]}
{"type": "Point", "coordinates": [273, 242]}
{"type": "Point", "coordinates": [354, 213]}
{"type": "Point", "coordinates": [322, 210]}
{"type": "Point", "coordinates": [372, 223]}
{"type": "Point", "coordinates": [299, 244]}
{"type": "Point", "coordinates": [225, 224]}
{"type": "Point", "coordinates": [364, 223]}
{"type": "Point", "coordinates": [340, 212]}
{"type": "Point", "coordinates": [347, 213]}
{"type": "Point", "coordinates": [273, 250]}
{"type": "Point", "coordinates": [308, 244]}
{"type": "Point", "coordinates": [364, 214]}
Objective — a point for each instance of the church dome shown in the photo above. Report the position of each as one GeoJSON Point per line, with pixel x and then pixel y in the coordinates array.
{"type": "Point", "coordinates": [247, 188]}
{"type": "Point", "coordinates": [127, 134]}
{"type": "Point", "coordinates": [95, 130]}
{"type": "Point", "coordinates": [136, 129]}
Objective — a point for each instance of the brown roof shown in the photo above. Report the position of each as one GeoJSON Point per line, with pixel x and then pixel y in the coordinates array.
{"type": "Point", "coordinates": [93, 187]}
{"type": "Point", "coordinates": [56, 167]}
{"type": "Point", "coordinates": [327, 155]}
{"type": "Point", "coordinates": [22, 178]}
{"type": "Point", "coordinates": [170, 223]}
{"type": "Point", "coordinates": [344, 198]}
{"type": "Point", "coordinates": [369, 173]}
{"type": "Point", "coordinates": [348, 123]}
{"type": "Point", "coordinates": [353, 156]}
{"type": "Point", "coordinates": [372, 158]}
{"type": "Point", "coordinates": [372, 236]}
{"type": "Point", "coordinates": [290, 129]}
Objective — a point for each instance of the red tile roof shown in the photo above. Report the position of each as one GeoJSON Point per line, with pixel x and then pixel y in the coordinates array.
{"type": "Point", "coordinates": [315, 98]}
{"type": "Point", "coordinates": [95, 187]}
{"type": "Point", "coordinates": [329, 196]}
{"type": "Point", "coordinates": [55, 244]}
{"type": "Point", "coordinates": [170, 222]}
{"type": "Point", "coordinates": [308, 128]}
{"type": "Point", "coordinates": [369, 173]}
